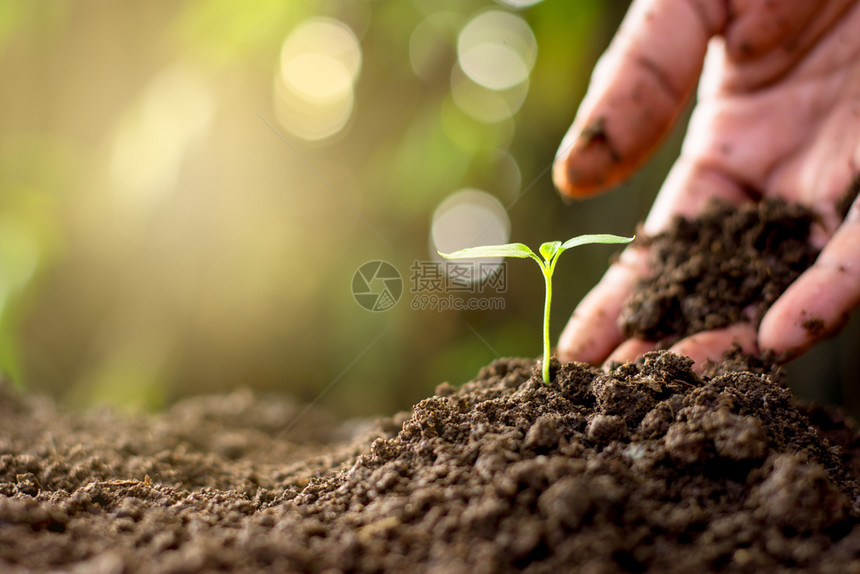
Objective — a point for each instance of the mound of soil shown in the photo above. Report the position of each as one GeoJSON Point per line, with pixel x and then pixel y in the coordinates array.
{"type": "Point", "coordinates": [649, 467]}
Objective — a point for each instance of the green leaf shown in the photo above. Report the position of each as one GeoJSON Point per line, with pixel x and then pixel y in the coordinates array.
{"type": "Point", "coordinates": [550, 249]}
{"type": "Point", "coordinates": [507, 250]}
{"type": "Point", "coordinates": [600, 238]}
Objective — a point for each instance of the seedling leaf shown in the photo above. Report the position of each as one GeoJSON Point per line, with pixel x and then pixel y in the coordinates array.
{"type": "Point", "coordinates": [506, 250]}
{"type": "Point", "coordinates": [599, 238]}
{"type": "Point", "coordinates": [549, 249]}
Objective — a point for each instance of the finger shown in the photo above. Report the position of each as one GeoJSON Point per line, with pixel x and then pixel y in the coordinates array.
{"type": "Point", "coordinates": [593, 332]}
{"type": "Point", "coordinates": [638, 90]}
{"type": "Point", "coordinates": [818, 303]}
{"type": "Point", "coordinates": [630, 350]}
{"type": "Point", "coordinates": [712, 345]}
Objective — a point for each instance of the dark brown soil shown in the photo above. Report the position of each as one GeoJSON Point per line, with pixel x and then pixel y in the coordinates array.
{"type": "Point", "coordinates": [646, 468]}
{"type": "Point", "coordinates": [728, 266]}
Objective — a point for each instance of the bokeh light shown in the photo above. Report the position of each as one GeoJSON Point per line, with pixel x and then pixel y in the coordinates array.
{"type": "Point", "coordinates": [152, 139]}
{"type": "Point", "coordinates": [472, 135]}
{"type": "Point", "coordinates": [519, 4]}
{"type": "Point", "coordinates": [468, 218]}
{"type": "Point", "coordinates": [314, 86]}
{"type": "Point", "coordinates": [497, 49]}
{"type": "Point", "coordinates": [485, 105]}
{"type": "Point", "coordinates": [432, 45]}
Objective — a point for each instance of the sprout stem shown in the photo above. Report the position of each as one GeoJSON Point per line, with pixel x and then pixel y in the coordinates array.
{"type": "Point", "coordinates": [547, 275]}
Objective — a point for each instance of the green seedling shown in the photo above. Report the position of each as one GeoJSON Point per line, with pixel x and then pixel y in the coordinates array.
{"type": "Point", "coordinates": [550, 252]}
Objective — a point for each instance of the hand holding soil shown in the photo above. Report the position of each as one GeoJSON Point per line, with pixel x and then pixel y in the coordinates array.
{"type": "Point", "coordinates": [777, 117]}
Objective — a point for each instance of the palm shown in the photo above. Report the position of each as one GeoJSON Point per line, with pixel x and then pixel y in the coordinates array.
{"type": "Point", "coordinates": [781, 125]}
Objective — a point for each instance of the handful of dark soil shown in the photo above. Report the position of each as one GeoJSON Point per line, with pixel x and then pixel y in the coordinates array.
{"type": "Point", "coordinates": [649, 467]}
{"type": "Point", "coordinates": [728, 265]}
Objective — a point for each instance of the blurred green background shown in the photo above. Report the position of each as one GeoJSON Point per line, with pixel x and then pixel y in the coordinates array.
{"type": "Point", "coordinates": [187, 188]}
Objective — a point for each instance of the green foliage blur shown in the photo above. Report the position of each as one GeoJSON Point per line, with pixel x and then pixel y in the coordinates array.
{"type": "Point", "coordinates": [171, 224]}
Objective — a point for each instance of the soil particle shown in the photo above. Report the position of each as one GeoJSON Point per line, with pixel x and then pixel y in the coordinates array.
{"type": "Point", "coordinates": [595, 134]}
{"type": "Point", "coordinates": [727, 266]}
{"type": "Point", "coordinates": [813, 325]}
{"type": "Point", "coordinates": [647, 467]}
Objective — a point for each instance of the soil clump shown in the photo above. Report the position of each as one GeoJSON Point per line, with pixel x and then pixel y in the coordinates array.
{"type": "Point", "coordinates": [727, 266]}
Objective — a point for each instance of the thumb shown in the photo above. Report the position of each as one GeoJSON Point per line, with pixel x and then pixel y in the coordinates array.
{"type": "Point", "coordinates": [638, 90]}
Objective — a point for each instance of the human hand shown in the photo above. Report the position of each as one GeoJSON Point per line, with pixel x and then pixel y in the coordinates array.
{"type": "Point", "coordinates": [778, 115]}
